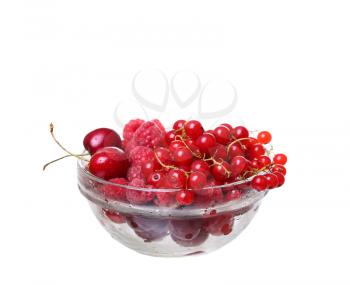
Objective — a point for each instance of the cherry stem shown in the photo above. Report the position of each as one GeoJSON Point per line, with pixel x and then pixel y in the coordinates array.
{"type": "Point", "coordinates": [68, 155]}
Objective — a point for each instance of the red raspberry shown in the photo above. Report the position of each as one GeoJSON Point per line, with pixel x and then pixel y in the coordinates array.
{"type": "Point", "coordinates": [165, 199]}
{"type": "Point", "coordinates": [115, 192]}
{"type": "Point", "coordinates": [141, 154]}
{"type": "Point", "coordinates": [130, 128]}
{"type": "Point", "coordinates": [138, 197]}
{"type": "Point", "coordinates": [135, 171]}
{"type": "Point", "coordinates": [150, 134]}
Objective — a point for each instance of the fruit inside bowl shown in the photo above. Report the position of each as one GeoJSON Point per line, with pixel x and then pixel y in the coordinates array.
{"type": "Point", "coordinates": [177, 192]}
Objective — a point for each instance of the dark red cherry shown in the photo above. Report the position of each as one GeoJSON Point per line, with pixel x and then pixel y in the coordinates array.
{"type": "Point", "coordinates": [108, 163]}
{"type": "Point", "coordinates": [101, 138]}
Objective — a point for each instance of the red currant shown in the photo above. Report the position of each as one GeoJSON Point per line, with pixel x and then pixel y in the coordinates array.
{"type": "Point", "coordinates": [233, 195]}
{"type": "Point", "coordinates": [280, 178]}
{"type": "Point", "coordinates": [163, 155]}
{"type": "Point", "coordinates": [238, 164]}
{"type": "Point", "coordinates": [182, 156]}
{"type": "Point", "coordinates": [255, 151]}
{"type": "Point", "coordinates": [179, 124]}
{"type": "Point", "coordinates": [240, 132]}
{"type": "Point", "coordinates": [205, 142]}
{"type": "Point", "coordinates": [197, 180]}
{"type": "Point", "coordinates": [259, 183]}
{"type": "Point", "coordinates": [193, 129]}
{"type": "Point", "coordinates": [170, 136]}
{"type": "Point", "coordinates": [235, 150]}
{"type": "Point", "coordinates": [200, 165]}
{"type": "Point", "coordinates": [176, 144]}
{"type": "Point", "coordinates": [279, 168]}
{"type": "Point", "coordinates": [221, 171]}
{"type": "Point", "coordinates": [272, 180]}
{"type": "Point", "coordinates": [227, 126]}
{"type": "Point", "coordinates": [264, 161]}
{"type": "Point", "coordinates": [280, 158]}
{"type": "Point", "coordinates": [185, 197]}
{"type": "Point", "coordinates": [264, 137]}
{"type": "Point", "coordinates": [155, 179]}
{"type": "Point", "coordinates": [222, 134]}
{"type": "Point", "coordinates": [176, 178]}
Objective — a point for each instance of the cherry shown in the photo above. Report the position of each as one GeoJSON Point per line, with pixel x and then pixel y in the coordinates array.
{"type": "Point", "coordinates": [185, 197]}
{"type": "Point", "coordinates": [234, 150]}
{"type": "Point", "coordinates": [162, 155]}
{"type": "Point", "coordinates": [100, 138]}
{"type": "Point", "coordinates": [280, 178]}
{"type": "Point", "coordinates": [272, 180]}
{"type": "Point", "coordinates": [182, 156]}
{"type": "Point", "coordinates": [259, 183]}
{"type": "Point", "coordinates": [176, 178]}
{"type": "Point", "coordinates": [193, 129]}
{"type": "Point", "coordinates": [179, 124]}
{"type": "Point", "coordinates": [197, 180]}
{"type": "Point", "coordinates": [206, 142]}
{"type": "Point", "coordinates": [238, 164]}
{"type": "Point", "coordinates": [201, 166]}
{"type": "Point", "coordinates": [264, 161]}
{"type": "Point", "coordinates": [255, 151]}
{"type": "Point", "coordinates": [279, 168]}
{"type": "Point", "coordinates": [240, 132]}
{"type": "Point", "coordinates": [221, 171]}
{"type": "Point", "coordinates": [222, 134]}
{"type": "Point", "coordinates": [170, 136]}
{"type": "Point", "coordinates": [280, 158]}
{"type": "Point", "coordinates": [109, 162]}
{"type": "Point", "coordinates": [264, 137]}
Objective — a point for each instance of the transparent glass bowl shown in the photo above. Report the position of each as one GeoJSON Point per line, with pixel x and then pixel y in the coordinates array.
{"type": "Point", "coordinates": [172, 230]}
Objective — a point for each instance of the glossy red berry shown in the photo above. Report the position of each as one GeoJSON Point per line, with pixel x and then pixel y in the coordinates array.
{"type": "Point", "coordinates": [227, 126]}
{"type": "Point", "coordinates": [280, 158]}
{"type": "Point", "coordinates": [240, 132]}
{"type": "Point", "coordinates": [201, 166]}
{"type": "Point", "coordinates": [264, 161]}
{"type": "Point", "coordinates": [115, 217]}
{"type": "Point", "coordinates": [197, 180]}
{"type": "Point", "coordinates": [279, 168]}
{"type": "Point", "coordinates": [108, 163]}
{"type": "Point", "coordinates": [100, 138]}
{"type": "Point", "coordinates": [182, 156]}
{"type": "Point", "coordinates": [222, 134]}
{"type": "Point", "coordinates": [205, 142]}
{"type": "Point", "coordinates": [238, 165]}
{"type": "Point", "coordinates": [170, 136]}
{"type": "Point", "coordinates": [222, 171]}
{"type": "Point", "coordinates": [155, 179]}
{"type": "Point", "coordinates": [185, 197]}
{"type": "Point", "coordinates": [232, 195]}
{"type": "Point", "coordinates": [193, 129]}
{"type": "Point", "coordinates": [264, 137]}
{"type": "Point", "coordinates": [280, 178]}
{"type": "Point", "coordinates": [176, 178]}
{"type": "Point", "coordinates": [234, 150]}
{"type": "Point", "coordinates": [162, 155]}
{"type": "Point", "coordinates": [259, 183]}
{"type": "Point", "coordinates": [176, 144]}
{"type": "Point", "coordinates": [272, 180]}
{"type": "Point", "coordinates": [255, 151]}
{"type": "Point", "coordinates": [179, 124]}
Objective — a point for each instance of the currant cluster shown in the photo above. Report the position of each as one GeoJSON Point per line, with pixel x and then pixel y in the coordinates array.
{"type": "Point", "coordinates": [187, 158]}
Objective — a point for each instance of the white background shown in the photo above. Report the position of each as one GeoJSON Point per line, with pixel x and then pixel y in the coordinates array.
{"type": "Point", "coordinates": [71, 61]}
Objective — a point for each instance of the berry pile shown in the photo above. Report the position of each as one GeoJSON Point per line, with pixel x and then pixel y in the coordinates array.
{"type": "Point", "coordinates": [193, 166]}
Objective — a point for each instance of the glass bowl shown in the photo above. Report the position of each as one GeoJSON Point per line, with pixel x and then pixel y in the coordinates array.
{"type": "Point", "coordinates": [171, 230]}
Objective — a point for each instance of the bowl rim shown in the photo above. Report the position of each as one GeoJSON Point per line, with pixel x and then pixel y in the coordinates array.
{"type": "Point", "coordinates": [82, 169]}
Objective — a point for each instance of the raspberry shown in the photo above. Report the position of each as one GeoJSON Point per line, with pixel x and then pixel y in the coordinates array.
{"type": "Point", "coordinates": [135, 171]}
{"type": "Point", "coordinates": [164, 199]}
{"type": "Point", "coordinates": [141, 154]}
{"type": "Point", "coordinates": [150, 134]}
{"type": "Point", "coordinates": [115, 192]}
{"type": "Point", "coordinates": [130, 128]}
{"type": "Point", "coordinates": [138, 197]}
